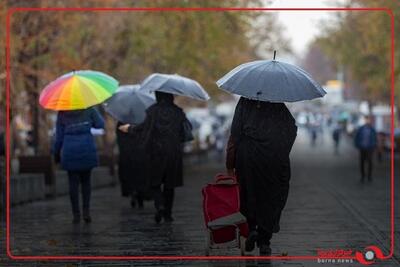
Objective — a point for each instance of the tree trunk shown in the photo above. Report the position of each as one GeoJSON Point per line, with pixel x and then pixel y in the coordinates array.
{"type": "Point", "coordinates": [43, 147]}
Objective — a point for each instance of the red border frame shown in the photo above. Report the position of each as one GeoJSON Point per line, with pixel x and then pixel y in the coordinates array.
{"type": "Point", "coordinates": [159, 9]}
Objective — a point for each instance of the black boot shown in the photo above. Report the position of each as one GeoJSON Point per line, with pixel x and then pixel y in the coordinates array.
{"type": "Point", "coordinates": [133, 202]}
{"type": "Point", "coordinates": [158, 216]}
{"type": "Point", "coordinates": [168, 195]}
{"type": "Point", "coordinates": [140, 201]}
{"type": "Point", "coordinates": [86, 216]}
{"type": "Point", "coordinates": [168, 216]}
{"type": "Point", "coordinates": [251, 241]}
{"type": "Point", "coordinates": [265, 250]}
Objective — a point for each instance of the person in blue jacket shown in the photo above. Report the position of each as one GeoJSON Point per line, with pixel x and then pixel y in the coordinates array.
{"type": "Point", "coordinates": [365, 140]}
{"type": "Point", "coordinates": [75, 147]}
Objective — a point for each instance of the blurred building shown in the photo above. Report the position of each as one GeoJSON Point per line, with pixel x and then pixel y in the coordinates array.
{"type": "Point", "coordinates": [334, 90]}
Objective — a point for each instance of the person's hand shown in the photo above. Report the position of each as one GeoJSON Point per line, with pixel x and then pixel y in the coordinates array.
{"type": "Point", "coordinates": [231, 172]}
{"type": "Point", "coordinates": [124, 128]}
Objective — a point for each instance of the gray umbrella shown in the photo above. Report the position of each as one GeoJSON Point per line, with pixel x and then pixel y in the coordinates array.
{"type": "Point", "coordinates": [128, 104]}
{"type": "Point", "coordinates": [174, 84]}
{"type": "Point", "coordinates": [271, 80]}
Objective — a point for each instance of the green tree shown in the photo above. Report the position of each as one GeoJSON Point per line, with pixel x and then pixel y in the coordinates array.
{"type": "Point", "coordinates": [361, 42]}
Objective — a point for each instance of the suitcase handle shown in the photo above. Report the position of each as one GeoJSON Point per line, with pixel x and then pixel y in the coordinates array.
{"type": "Point", "coordinates": [225, 179]}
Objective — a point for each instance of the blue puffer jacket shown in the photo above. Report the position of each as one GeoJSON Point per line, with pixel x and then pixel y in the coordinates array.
{"type": "Point", "coordinates": [74, 142]}
{"type": "Point", "coordinates": [365, 137]}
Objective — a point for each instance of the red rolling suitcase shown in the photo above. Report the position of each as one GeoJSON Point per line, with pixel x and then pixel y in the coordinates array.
{"type": "Point", "coordinates": [226, 226]}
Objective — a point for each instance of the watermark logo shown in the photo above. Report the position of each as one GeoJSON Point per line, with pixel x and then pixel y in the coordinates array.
{"type": "Point", "coordinates": [369, 255]}
{"type": "Point", "coordinates": [337, 256]}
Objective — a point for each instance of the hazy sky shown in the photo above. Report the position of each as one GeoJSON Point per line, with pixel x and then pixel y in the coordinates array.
{"type": "Point", "coordinates": [302, 26]}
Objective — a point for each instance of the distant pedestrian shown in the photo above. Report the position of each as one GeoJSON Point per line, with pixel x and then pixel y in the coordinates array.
{"type": "Point", "coordinates": [366, 140]}
{"type": "Point", "coordinates": [74, 146]}
{"type": "Point", "coordinates": [162, 134]}
{"type": "Point", "coordinates": [313, 134]}
{"type": "Point", "coordinates": [336, 135]}
{"type": "Point", "coordinates": [220, 143]}
{"type": "Point", "coordinates": [262, 136]}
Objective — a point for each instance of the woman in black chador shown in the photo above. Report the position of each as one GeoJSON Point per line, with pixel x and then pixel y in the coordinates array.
{"type": "Point", "coordinates": [132, 183]}
{"type": "Point", "coordinates": [162, 134]}
{"type": "Point", "coordinates": [262, 136]}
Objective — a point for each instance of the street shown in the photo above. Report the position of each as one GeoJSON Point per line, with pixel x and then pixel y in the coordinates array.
{"type": "Point", "coordinates": [328, 208]}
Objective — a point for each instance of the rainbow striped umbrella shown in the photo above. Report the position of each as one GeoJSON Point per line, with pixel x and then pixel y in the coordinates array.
{"type": "Point", "coordinates": [78, 90]}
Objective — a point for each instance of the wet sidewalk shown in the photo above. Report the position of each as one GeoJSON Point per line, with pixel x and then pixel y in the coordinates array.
{"type": "Point", "coordinates": [328, 208]}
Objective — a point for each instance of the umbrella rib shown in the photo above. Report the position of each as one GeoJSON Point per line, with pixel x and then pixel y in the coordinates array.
{"type": "Point", "coordinates": [91, 92]}
{"type": "Point", "coordinates": [242, 78]}
{"type": "Point", "coordinates": [99, 78]}
{"type": "Point", "coordinates": [308, 81]}
{"type": "Point", "coordinates": [292, 96]}
{"type": "Point", "coordinates": [153, 77]}
{"type": "Point", "coordinates": [64, 91]}
{"type": "Point", "coordinates": [263, 71]}
{"type": "Point", "coordinates": [316, 85]}
{"type": "Point", "coordinates": [49, 91]}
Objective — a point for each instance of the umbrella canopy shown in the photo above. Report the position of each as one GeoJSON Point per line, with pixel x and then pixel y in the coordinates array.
{"type": "Point", "coordinates": [128, 104]}
{"type": "Point", "coordinates": [78, 90]}
{"type": "Point", "coordinates": [174, 84]}
{"type": "Point", "coordinates": [272, 81]}
{"type": "Point", "coordinates": [128, 88]}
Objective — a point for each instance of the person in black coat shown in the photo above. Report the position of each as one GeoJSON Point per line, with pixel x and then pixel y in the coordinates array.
{"type": "Point", "coordinates": [74, 146]}
{"type": "Point", "coordinates": [262, 135]}
{"type": "Point", "coordinates": [162, 134]}
{"type": "Point", "coordinates": [129, 167]}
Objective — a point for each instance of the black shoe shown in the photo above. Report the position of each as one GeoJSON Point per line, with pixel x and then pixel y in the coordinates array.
{"type": "Point", "coordinates": [76, 219]}
{"type": "Point", "coordinates": [133, 203]}
{"type": "Point", "coordinates": [251, 240]}
{"type": "Point", "coordinates": [140, 203]}
{"type": "Point", "coordinates": [265, 250]}
{"type": "Point", "coordinates": [86, 217]}
{"type": "Point", "coordinates": [158, 216]}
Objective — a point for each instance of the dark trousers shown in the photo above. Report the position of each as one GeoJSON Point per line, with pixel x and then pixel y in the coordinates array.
{"type": "Point", "coordinates": [82, 177]}
{"type": "Point", "coordinates": [366, 163]}
{"type": "Point", "coordinates": [138, 196]}
{"type": "Point", "coordinates": [163, 199]}
{"type": "Point", "coordinates": [263, 236]}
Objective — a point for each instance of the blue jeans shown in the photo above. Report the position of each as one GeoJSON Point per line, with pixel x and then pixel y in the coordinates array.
{"type": "Point", "coordinates": [76, 177]}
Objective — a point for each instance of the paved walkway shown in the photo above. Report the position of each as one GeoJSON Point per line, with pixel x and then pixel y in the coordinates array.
{"type": "Point", "coordinates": [328, 208]}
